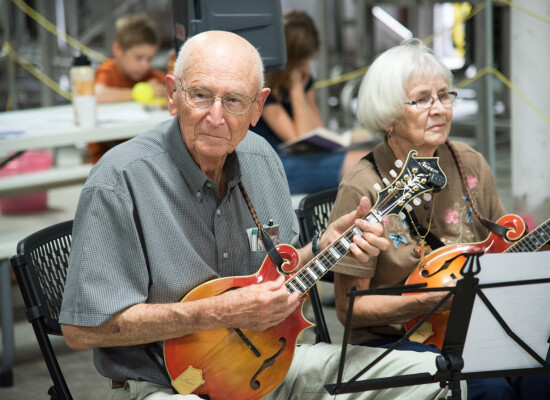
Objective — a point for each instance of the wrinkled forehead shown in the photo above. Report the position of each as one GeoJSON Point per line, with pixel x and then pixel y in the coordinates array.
{"type": "Point", "coordinates": [426, 82]}
{"type": "Point", "coordinates": [225, 68]}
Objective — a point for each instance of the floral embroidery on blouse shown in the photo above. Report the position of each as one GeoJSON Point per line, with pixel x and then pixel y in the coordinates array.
{"type": "Point", "coordinates": [397, 239]}
{"type": "Point", "coordinates": [399, 229]}
{"type": "Point", "coordinates": [461, 214]}
{"type": "Point", "coordinates": [469, 216]}
{"type": "Point", "coordinates": [451, 217]}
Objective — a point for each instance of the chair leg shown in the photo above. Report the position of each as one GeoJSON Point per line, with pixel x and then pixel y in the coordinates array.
{"type": "Point", "coordinates": [321, 330]}
{"type": "Point", "coordinates": [6, 378]}
{"type": "Point", "coordinates": [6, 321]}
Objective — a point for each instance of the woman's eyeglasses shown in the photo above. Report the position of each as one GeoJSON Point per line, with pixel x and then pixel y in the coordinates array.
{"type": "Point", "coordinates": [428, 101]}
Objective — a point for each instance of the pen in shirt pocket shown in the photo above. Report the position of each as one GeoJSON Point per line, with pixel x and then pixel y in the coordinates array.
{"type": "Point", "coordinates": [252, 234]}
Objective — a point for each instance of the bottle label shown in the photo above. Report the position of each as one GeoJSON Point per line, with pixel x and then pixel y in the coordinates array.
{"type": "Point", "coordinates": [83, 88]}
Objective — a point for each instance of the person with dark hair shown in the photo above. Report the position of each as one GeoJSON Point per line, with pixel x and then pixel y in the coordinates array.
{"type": "Point", "coordinates": [291, 111]}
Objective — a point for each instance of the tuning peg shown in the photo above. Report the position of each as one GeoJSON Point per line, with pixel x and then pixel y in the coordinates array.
{"type": "Point", "coordinates": [408, 207]}
{"type": "Point", "coordinates": [386, 181]}
{"type": "Point", "coordinates": [402, 215]}
{"type": "Point", "coordinates": [417, 201]}
{"type": "Point", "coordinates": [377, 187]}
{"type": "Point", "coordinates": [393, 173]}
{"type": "Point", "coordinates": [427, 196]}
{"type": "Point", "coordinates": [398, 163]}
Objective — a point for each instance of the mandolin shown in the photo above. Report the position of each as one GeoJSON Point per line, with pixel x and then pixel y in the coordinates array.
{"type": "Point", "coordinates": [445, 263]}
{"type": "Point", "coordinates": [231, 363]}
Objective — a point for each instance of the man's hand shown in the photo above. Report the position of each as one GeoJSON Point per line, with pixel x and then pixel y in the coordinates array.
{"type": "Point", "coordinates": [259, 306]}
{"type": "Point", "coordinates": [364, 246]}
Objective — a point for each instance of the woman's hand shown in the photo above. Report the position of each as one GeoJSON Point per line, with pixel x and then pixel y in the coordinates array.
{"type": "Point", "coordinates": [300, 76]}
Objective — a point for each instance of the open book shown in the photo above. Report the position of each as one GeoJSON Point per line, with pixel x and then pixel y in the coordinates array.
{"type": "Point", "coordinates": [322, 139]}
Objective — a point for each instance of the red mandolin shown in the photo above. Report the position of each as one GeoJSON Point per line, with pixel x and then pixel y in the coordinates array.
{"type": "Point", "coordinates": [248, 364]}
{"type": "Point", "coordinates": [445, 263]}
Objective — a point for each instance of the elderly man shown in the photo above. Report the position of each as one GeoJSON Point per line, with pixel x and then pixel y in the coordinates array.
{"type": "Point", "coordinates": [167, 211]}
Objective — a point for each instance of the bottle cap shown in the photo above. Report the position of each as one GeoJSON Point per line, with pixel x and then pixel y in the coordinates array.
{"type": "Point", "coordinates": [80, 60]}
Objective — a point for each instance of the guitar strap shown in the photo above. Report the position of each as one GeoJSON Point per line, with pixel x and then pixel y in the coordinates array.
{"type": "Point", "coordinates": [412, 220]}
{"type": "Point", "coordinates": [490, 225]}
{"type": "Point", "coordinates": [268, 244]}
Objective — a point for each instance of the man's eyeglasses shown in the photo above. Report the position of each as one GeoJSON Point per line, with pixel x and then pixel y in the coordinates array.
{"type": "Point", "coordinates": [428, 101]}
{"type": "Point", "coordinates": [233, 103]}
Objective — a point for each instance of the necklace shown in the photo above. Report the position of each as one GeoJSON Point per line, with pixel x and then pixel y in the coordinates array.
{"type": "Point", "coordinates": [423, 248]}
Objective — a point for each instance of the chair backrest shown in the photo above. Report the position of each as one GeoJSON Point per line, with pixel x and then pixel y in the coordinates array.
{"type": "Point", "coordinates": [313, 214]}
{"type": "Point", "coordinates": [40, 267]}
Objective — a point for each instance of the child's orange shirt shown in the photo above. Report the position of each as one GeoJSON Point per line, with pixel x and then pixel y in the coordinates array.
{"type": "Point", "coordinates": [109, 75]}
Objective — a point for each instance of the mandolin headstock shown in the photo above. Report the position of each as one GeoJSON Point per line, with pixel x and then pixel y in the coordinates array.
{"type": "Point", "coordinates": [418, 175]}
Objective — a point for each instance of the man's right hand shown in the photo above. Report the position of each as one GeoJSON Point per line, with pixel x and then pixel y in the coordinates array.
{"type": "Point", "coordinates": [258, 306]}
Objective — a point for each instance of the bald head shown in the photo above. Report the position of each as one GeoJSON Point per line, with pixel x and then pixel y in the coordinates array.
{"type": "Point", "coordinates": [222, 47]}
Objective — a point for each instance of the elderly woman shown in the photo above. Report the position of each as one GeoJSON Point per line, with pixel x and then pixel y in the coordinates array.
{"type": "Point", "coordinates": [407, 96]}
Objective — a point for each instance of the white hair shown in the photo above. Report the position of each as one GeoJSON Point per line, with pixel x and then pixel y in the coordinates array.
{"type": "Point", "coordinates": [383, 89]}
{"type": "Point", "coordinates": [188, 48]}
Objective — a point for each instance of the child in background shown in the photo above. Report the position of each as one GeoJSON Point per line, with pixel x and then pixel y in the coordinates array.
{"type": "Point", "coordinates": [291, 111]}
{"type": "Point", "coordinates": [136, 42]}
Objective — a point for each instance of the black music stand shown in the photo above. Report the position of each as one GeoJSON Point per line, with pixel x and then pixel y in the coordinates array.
{"type": "Point", "coordinates": [450, 362]}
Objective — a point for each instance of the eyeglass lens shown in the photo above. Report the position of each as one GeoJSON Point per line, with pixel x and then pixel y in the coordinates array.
{"type": "Point", "coordinates": [428, 101]}
{"type": "Point", "coordinates": [234, 103]}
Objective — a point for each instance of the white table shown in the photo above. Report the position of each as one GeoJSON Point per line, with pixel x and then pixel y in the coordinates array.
{"type": "Point", "coordinates": [52, 127]}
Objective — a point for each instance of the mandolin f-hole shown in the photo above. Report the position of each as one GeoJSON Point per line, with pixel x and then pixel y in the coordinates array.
{"type": "Point", "coordinates": [254, 382]}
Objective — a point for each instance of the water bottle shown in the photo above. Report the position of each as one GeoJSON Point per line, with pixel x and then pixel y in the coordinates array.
{"type": "Point", "coordinates": [82, 87]}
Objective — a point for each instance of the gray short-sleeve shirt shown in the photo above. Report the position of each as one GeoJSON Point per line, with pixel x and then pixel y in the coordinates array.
{"type": "Point", "coordinates": [150, 226]}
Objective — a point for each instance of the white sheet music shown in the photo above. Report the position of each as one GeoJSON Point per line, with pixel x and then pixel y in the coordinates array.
{"type": "Point", "coordinates": [525, 309]}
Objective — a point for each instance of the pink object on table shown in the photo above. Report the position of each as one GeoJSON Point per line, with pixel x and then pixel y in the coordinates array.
{"type": "Point", "coordinates": [30, 161]}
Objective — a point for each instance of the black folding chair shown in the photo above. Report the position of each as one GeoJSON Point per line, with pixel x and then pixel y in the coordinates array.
{"type": "Point", "coordinates": [313, 214]}
{"type": "Point", "coordinates": [41, 268]}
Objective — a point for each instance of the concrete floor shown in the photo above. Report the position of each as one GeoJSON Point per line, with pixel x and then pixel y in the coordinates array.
{"type": "Point", "coordinates": [31, 379]}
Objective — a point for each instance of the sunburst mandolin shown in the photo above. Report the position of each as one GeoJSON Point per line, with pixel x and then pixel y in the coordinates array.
{"type": "Point", "coordinates": [247, 364]}
{"type": "Point", "coordinates": [445, 263]}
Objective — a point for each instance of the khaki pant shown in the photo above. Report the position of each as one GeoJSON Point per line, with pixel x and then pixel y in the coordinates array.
{"type": "Point", "coordinates": [139, 390]}
{"type": "Point", "coordinates": [314, 366]}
